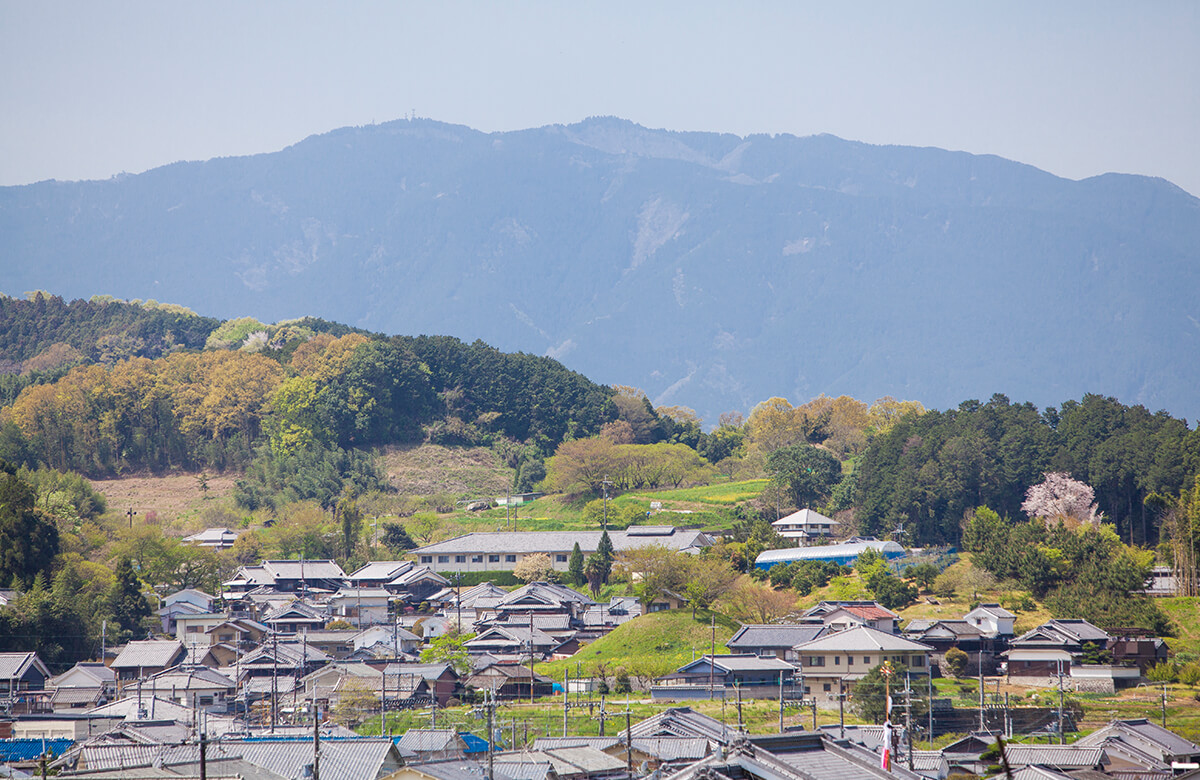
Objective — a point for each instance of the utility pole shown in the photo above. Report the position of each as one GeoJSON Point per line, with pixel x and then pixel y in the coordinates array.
{"type": "Point", "coordinates": [628, 740]}
{"type": "Point", "coordinates": [929, 678]}
{"type": "Point", "coordinates": [130, 515]}
{"type": "Point", "coordinates": [738, 689]}
{"type": "Point", "coordinates": [1061, 726]}
{"type": "Point", "coordinates": [316, 740]}
{"type": "Point", "coordinates": [203, 758]}
{"type": "Point", "coordinates": [490, 703]}
{"type": "Point", "coordinates": [566, 697]}
{"type": "Point", "coordinates": [908, 715]}
{"type": "Point", "coordinates": [531, 656]}
{"type": "Point", "coordinates": [781, 702]}
{"type": "Point", "coordinates": [982, 720]}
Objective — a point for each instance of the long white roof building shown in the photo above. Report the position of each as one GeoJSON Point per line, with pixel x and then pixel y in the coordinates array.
{"type": "Point", "coordinates": [501, 551]}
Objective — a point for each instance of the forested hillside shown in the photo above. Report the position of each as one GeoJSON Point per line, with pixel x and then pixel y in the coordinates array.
{"type": "Point", "coordinates": [292, 386]}
{"type": "Point", "coordinates": [928, 471]}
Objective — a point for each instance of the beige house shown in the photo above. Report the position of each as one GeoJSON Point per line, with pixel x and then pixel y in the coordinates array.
{"type": "Point", "coordinates": [846, 656]}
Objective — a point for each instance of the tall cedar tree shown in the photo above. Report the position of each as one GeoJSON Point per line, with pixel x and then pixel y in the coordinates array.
{"type": "Point", "coordinates": [604, 551]}
{"type": "Point", "coordinates": [129, 606]}
{"type": "Point", "coordinates": [575, 565]}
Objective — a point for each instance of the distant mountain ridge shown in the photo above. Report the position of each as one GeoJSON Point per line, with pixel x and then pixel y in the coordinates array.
{"type": "Point", "coordinates": [712, 270]}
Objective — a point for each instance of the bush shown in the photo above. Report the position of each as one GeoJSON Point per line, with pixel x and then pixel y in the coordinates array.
{"type": "Point", "coordinates": [1164, 671]}
{"type": "Point", "coordinates": [956, 661]}
{"type": "Point", "coordinates": [1189, 674]}
{"type": "Point", "coordinates": [622, 682]}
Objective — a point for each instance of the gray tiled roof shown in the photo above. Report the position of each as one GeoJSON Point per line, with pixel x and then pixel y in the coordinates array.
{"type": "Point", "coordinates": [13, 665]}
{"type": "Point", "coordinates": [149, 654]}
{"type": "Point", "coordinates": [525, 542]}
{"type": "Point", "coordinates": [681, 722]}
{"type": "Point", "coordinates": [863, 639]}
{"type": "Point", "coordinates": [461, 769]}
{"type": "Point", "coordinates": [785, 635]}
{"type": "Point", "coordinates": [380, 570]}
{"type": "Point", "coordinates": [1059, 756]}
{"type": "Point", "coordinates": [428, 740]}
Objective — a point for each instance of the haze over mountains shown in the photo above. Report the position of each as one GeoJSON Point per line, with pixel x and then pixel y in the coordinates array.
{"type": "Point", "coordinates": [712, 271]}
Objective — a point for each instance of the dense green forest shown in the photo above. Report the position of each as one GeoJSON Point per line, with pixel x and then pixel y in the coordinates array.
{"type": "Point", "coordinates": [928, 471]}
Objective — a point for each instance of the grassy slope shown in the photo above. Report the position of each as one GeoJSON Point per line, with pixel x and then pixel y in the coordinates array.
{"type": "Point", "coordinates": [649, 646]}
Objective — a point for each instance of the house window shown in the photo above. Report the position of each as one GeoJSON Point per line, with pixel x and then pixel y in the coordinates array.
{"type": "Point", "coordinates": [493, 559]}
{"type": "Point", "coordinates": [460, 559]}
{"type": "Point", "coordinates": [510, 558]}
{"type": "Point", "coordinates": [815, 660]}
{"type": "Point", "coordinates": [443, 559]}
{"type": "Point", "coordinates": [426, 559]}
{"type": "Point", "coordinates": [194, 629]}
{"type": "Point", "coordinates": [476, 559]}
{"type": "Point", "coordinates": [206, 701]}
{"type": "Point", "coordinates": [837, 660]}
{"type": "Point", "coordinates": [827, 687]}
{"type": "Point", "coordinates": [867, 660]}
{"type": "Point", "coordinates": [918, 661]}
{"type": "Point", "coordinates": [849, 660]}
{"type": "Point", "coordinates": [560, 558]}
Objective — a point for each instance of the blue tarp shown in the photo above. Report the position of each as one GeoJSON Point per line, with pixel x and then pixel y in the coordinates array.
{"type": "Point", "coordinates": [30, 749]}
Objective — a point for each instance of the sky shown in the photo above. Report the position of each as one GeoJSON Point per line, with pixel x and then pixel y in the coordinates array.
{"type": "Point", "coordinates": [92, 89]}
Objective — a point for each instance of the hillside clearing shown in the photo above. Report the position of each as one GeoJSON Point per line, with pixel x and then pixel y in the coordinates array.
{"type": "Point", "coordinates": [466, 473]}
{"type": "Point", "coordinates": [166, 498]}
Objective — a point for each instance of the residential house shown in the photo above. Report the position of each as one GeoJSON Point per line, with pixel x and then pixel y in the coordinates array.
{"type": "Point", "coordinates": [1147, 737]}
{"type": "Point", "coordinates": [441, 678]}
{"type": "Point", "coordinates": [512, 640]}
{"type": "Point", "coordinates": [805, 526]}
{"type": "Point", "coordinates": [194, 686]}
{"type": "Point", "coordinates": [993, 621]}
{"type": "Point", "coordinates": [511, 681]}
{"type": "Point", "coordinates": [289, 577]}
{"type": "Point", "coordinates": [213, 539]}
{"type": "Point", "coordinates": [598, 619]}
{"type": "Point", "coordinates": [145, 657]}
{"type": "Point", "coordinates": [682, 722]}
{"type": "Point", "coordinates": [942, 635]}
{"type": "Point", "coordinates": [295, 617]}
{"type": "Point", "coordinates": [423, 745]}
{"type": "Point", "coordinates": [188, 601]}
{"type": "Point", "coordinates": [752, 676]}
{"type": "Point", "coordinates": [193, 629]}
{"type": "Point", "coordinates": [567, 763]}
{"type": "Point", "coordinates": [1081, 652]}
{"type": "Point", "coordinates": [21, 672]}
{"type": "Point", "coordinates": [336, 643]}
{"type": "Point", "coordinates": [85, 685]}
{"type": "Point", "coordinates": [393, 638]}
{"type": "Point", "coordinates": [501, 551]}
{"type": "Point", "coordinates": [776, 640]}
{"type": "Point", "coordinates": [842, 615]}
{"type": "Point", "coordinates": [414, 582]}
{"type": "Point", "coordinates": [845, 656]}
{"type": "Point", "coordinates": [360, 606]}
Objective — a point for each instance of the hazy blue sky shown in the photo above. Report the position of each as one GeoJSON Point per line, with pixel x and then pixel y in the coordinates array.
{"type": "Point", "coordinates": [89, 89]}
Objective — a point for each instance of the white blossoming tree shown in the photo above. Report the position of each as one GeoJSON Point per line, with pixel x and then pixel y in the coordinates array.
{"type": "Point", "coordinates": [1059, 498]}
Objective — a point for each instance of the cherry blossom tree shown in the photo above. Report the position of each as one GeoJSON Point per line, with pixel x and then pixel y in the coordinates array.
{"type": "Point", "coordinates": [1059, 498]}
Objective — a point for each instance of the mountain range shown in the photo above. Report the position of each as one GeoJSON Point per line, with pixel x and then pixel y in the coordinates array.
{"type": "Point", "coordinates": [711, 270]}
